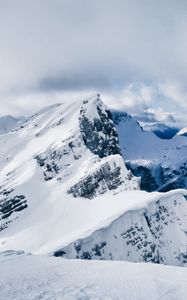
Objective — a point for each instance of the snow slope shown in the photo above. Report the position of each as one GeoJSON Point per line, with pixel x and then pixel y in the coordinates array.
{"type": "Point", "coordinates": [139, 144]}
{"type": "Point", "coordinates": [39, 277]}
{"type": "Point", "coordinates": [182, 132]}
{"type": "Point", "coordinates": [162, 130]}
{"type": "Point", "coordinates": [161, 163]}
{"type": "Point", "coordinates": [153, 229]}
{"type": "Point", "coordinates": [63, 180]}
{"type": "Point", "coordinates": [60, 153]}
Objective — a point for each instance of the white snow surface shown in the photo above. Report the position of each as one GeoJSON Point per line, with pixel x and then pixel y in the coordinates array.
{"type": "Point", "coordinates": [137, 144]}
{"type": "Point", "coordinates": [183, 131]}
{"type": "Point", "coordinates": [53, 217]}
{"type": "Point", "coordinates": [39, 277]}
{"type": "Point", "coordinates": [55, 223]}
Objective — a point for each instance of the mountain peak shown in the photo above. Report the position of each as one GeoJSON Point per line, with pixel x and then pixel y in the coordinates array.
{"type": "Point", "coordinates": [72, 147]}
{"type": "Point", "coordinates": [182, 132]}
{"type": "Point", "coordinates": [65, 188]}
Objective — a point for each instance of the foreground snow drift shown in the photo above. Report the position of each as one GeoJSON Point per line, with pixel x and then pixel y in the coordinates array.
{"type": "Point", "coordinates": [36, 277]}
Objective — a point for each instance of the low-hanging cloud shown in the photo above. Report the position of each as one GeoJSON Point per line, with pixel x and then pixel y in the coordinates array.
{"type": "Point", "coordinates": [133, 52]}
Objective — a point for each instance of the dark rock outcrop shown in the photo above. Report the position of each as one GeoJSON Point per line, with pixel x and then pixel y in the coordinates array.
{"type": "Point", "coordinates": [99, 134]}
{"type": "Point", "coordinates": [106, 177]}
{"type": "Point", "coordinates": [10, 205]}
{"type": "Point", "coordinates": [159, 178]}
{"type": "Point", "coordinates": [55, 161]}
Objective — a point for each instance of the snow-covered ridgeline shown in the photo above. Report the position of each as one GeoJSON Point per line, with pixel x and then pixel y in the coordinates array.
{"type": "Point", "coordinates": [156, 233]}
{"type": "Point", "coordinates": [64, 181]}
{"type": "Point", "coordinates": [63, 149]}
{"type": "Point", "coordinates": [183, 132]}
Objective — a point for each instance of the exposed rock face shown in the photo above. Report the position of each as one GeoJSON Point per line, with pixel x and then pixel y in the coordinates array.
{"type": "Point", "coordinates": [119, 117]}
{"type": "Point", "coordinates": [98, 131]}
{"type": "Point", "coordinates": [57, 162]}
{"type": "Point", "coordinates": [97, 139]}
{"type": "Point", "coordinates": [74, 148]}
{"type": "Point", "coordinates": [9, 205]}
{"type": "Point", "coordinates": [147, 180]}
{"type": "Point", "coordinates": [157, 234]}
{"type": "Point", "coordinates": [108, 174]}
{"type": "Point", "coordinates": [173, 178]}
{"type": "Point", "coordinates": [157, 177]}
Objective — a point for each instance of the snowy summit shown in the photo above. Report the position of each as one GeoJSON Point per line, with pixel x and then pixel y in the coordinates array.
{"type": "Point", "coordinates": [71, 179]}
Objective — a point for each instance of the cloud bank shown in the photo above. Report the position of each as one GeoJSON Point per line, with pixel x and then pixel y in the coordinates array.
{"type": "Point", "coordinates": [133, 52]}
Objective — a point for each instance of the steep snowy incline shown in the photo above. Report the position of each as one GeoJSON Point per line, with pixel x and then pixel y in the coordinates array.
{"type": "Point", "coordinates": [183, 132]}
{"type": "Point", "coordinates": [60, 153]}
{"type": "Point", "coordinates": [149, 228]}
{"type": "Point", "coordinates": [65, 190]}
{"type": "Point", "coordinates": [161, 163]}
{"type": "Point", "coordinates": [139, 144]}
{"type": "Point", "coordinates": [39, 277]}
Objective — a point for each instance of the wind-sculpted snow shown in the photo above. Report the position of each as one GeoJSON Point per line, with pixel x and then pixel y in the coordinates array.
{"type": "Point", "coordinates": [157, 233]}
{"type": "Point", "coordinates": [39, 277]}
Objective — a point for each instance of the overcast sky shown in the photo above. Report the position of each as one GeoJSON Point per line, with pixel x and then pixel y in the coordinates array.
{"type": "Point", "coordinates": [133, 52]}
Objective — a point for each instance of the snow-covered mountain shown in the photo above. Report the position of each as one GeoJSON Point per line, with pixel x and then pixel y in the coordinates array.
{"type": "Point", "coordinates": [183, 132]}
{"type": "Point", "coordinates": [65, 189]}
{"type": "Point", "coordinates": [8, 123]}
{"type": "Point", "coordinates": [161, 163]}
{"type": "Point", "coordinates": [60, 153]}
{"type": "Point", "coordinates": [162, 130]}
{"type": "Point", "coordinates": [164, 125]}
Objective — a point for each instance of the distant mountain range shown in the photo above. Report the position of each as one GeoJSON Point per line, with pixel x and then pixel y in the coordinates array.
{"type": "Point", "coordinates": [7, 123]}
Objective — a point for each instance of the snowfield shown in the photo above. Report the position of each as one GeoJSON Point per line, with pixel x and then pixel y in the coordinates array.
{"type": "Point", "coordinates": [27, 277]}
